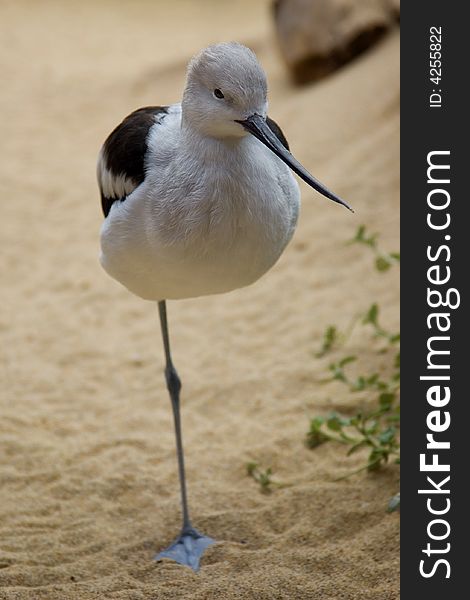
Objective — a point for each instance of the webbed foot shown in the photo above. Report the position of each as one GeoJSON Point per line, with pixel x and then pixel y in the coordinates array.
{"type": "Point", "coordinates": [187, 549]}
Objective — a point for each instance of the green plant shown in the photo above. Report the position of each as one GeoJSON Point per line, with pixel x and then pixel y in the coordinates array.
{"type": "Point", "coordinates": [262, 477]}
{"type": "Point", "coordinates": [330, 339]}
{"type": "Point", "coordinates": [371, 318]}
{"type": "Point", "coordinates": [375, 429]}
{"type": "Point", "coordinates": [374, 426]}
{"type": "Point", "coordinates": [383, 260]}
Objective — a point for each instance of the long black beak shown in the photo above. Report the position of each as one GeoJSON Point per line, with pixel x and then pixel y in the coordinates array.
{"type": "Point", "coordinates": [258, 127]}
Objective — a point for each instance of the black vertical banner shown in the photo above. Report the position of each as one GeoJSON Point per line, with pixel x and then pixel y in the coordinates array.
{"type": "Point", "coordinates": [435, 235]}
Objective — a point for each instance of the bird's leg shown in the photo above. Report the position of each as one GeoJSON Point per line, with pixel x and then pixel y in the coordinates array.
{"type": "Point", "coordinates": [188, 548]}
{"type": "Point", "coordinates": [173, 383]}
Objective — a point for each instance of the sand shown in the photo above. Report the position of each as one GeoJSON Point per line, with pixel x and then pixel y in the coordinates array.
{"type": "Point", "coordinates": [88, 482]}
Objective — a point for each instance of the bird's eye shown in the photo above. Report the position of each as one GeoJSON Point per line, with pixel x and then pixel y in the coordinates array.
{"type": "Point", "coordinates": [218, 93]}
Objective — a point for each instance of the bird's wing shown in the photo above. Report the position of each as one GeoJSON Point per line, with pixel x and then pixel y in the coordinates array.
{"type": "Point", "coordinates": [120, 166]}
{"type": "Point", "coordinates": [274, 127]}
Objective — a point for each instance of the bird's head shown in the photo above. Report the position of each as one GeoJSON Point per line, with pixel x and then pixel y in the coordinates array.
{"type": "Point", "coordinates": [225, 84]}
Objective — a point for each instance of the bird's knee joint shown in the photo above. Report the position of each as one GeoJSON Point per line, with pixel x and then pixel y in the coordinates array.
{"type": "Point", "coordinates": [173, 381]}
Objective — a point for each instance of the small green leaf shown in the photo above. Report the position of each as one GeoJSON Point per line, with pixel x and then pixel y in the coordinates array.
{"type": "Point", "coordinates": [372, 315]}
{"type": "Point", "coordinates": [334, 423]}
{"type": "Point", "coordinates": [382, 264]}
{"type": "Point", "coordinates": [315, 438]}
{"type": "Point", "coordinates": [387, 436]}
{"type": "Point", "coordinates": [251, 467]}
{"type": "Point", "coordinates": [386, 399]}
{"type": "Point", "coordinates": [376, 457]}
{"type": "Point", "coordinates": [330, 337]}
{"type": "Point", "coordinates": [347, 359]}
{"type": "Point", "coordinates": [396, 362]}
{"type": "Point", "coordinates": [316, 423]}
{"type": "Point", "coordinates": [360, 232]}
{"type": "Point", "coordinates": [372, 379]}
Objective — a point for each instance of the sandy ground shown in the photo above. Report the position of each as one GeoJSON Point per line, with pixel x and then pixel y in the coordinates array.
{"type": "Point", "coordinates": [88, 484]}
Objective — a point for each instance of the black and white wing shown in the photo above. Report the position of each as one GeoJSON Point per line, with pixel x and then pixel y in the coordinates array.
{"type": "Point", "coordinates": [120, 166]}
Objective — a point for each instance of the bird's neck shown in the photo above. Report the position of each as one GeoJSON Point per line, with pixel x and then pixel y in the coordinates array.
{"type": "Point", "coordinates": [208, 147]}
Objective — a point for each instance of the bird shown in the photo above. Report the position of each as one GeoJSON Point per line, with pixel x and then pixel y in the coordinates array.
{"type": "Point", "coordinates": [198, 198]}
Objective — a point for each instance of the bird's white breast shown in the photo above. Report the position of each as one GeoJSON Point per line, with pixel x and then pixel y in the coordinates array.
{"type": "Point", "coordinates": [210, 216]}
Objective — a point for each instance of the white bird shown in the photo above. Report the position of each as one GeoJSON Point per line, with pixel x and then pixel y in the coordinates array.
{"type": "Point", "coordinates": [198, 199]}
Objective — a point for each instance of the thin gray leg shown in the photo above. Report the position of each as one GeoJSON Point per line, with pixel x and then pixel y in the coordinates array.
{"type": "Point", "coordinates": [188, 548]}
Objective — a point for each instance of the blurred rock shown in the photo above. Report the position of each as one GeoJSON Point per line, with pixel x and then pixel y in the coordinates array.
{"type": "Point", "coordinates": [318, 36]}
